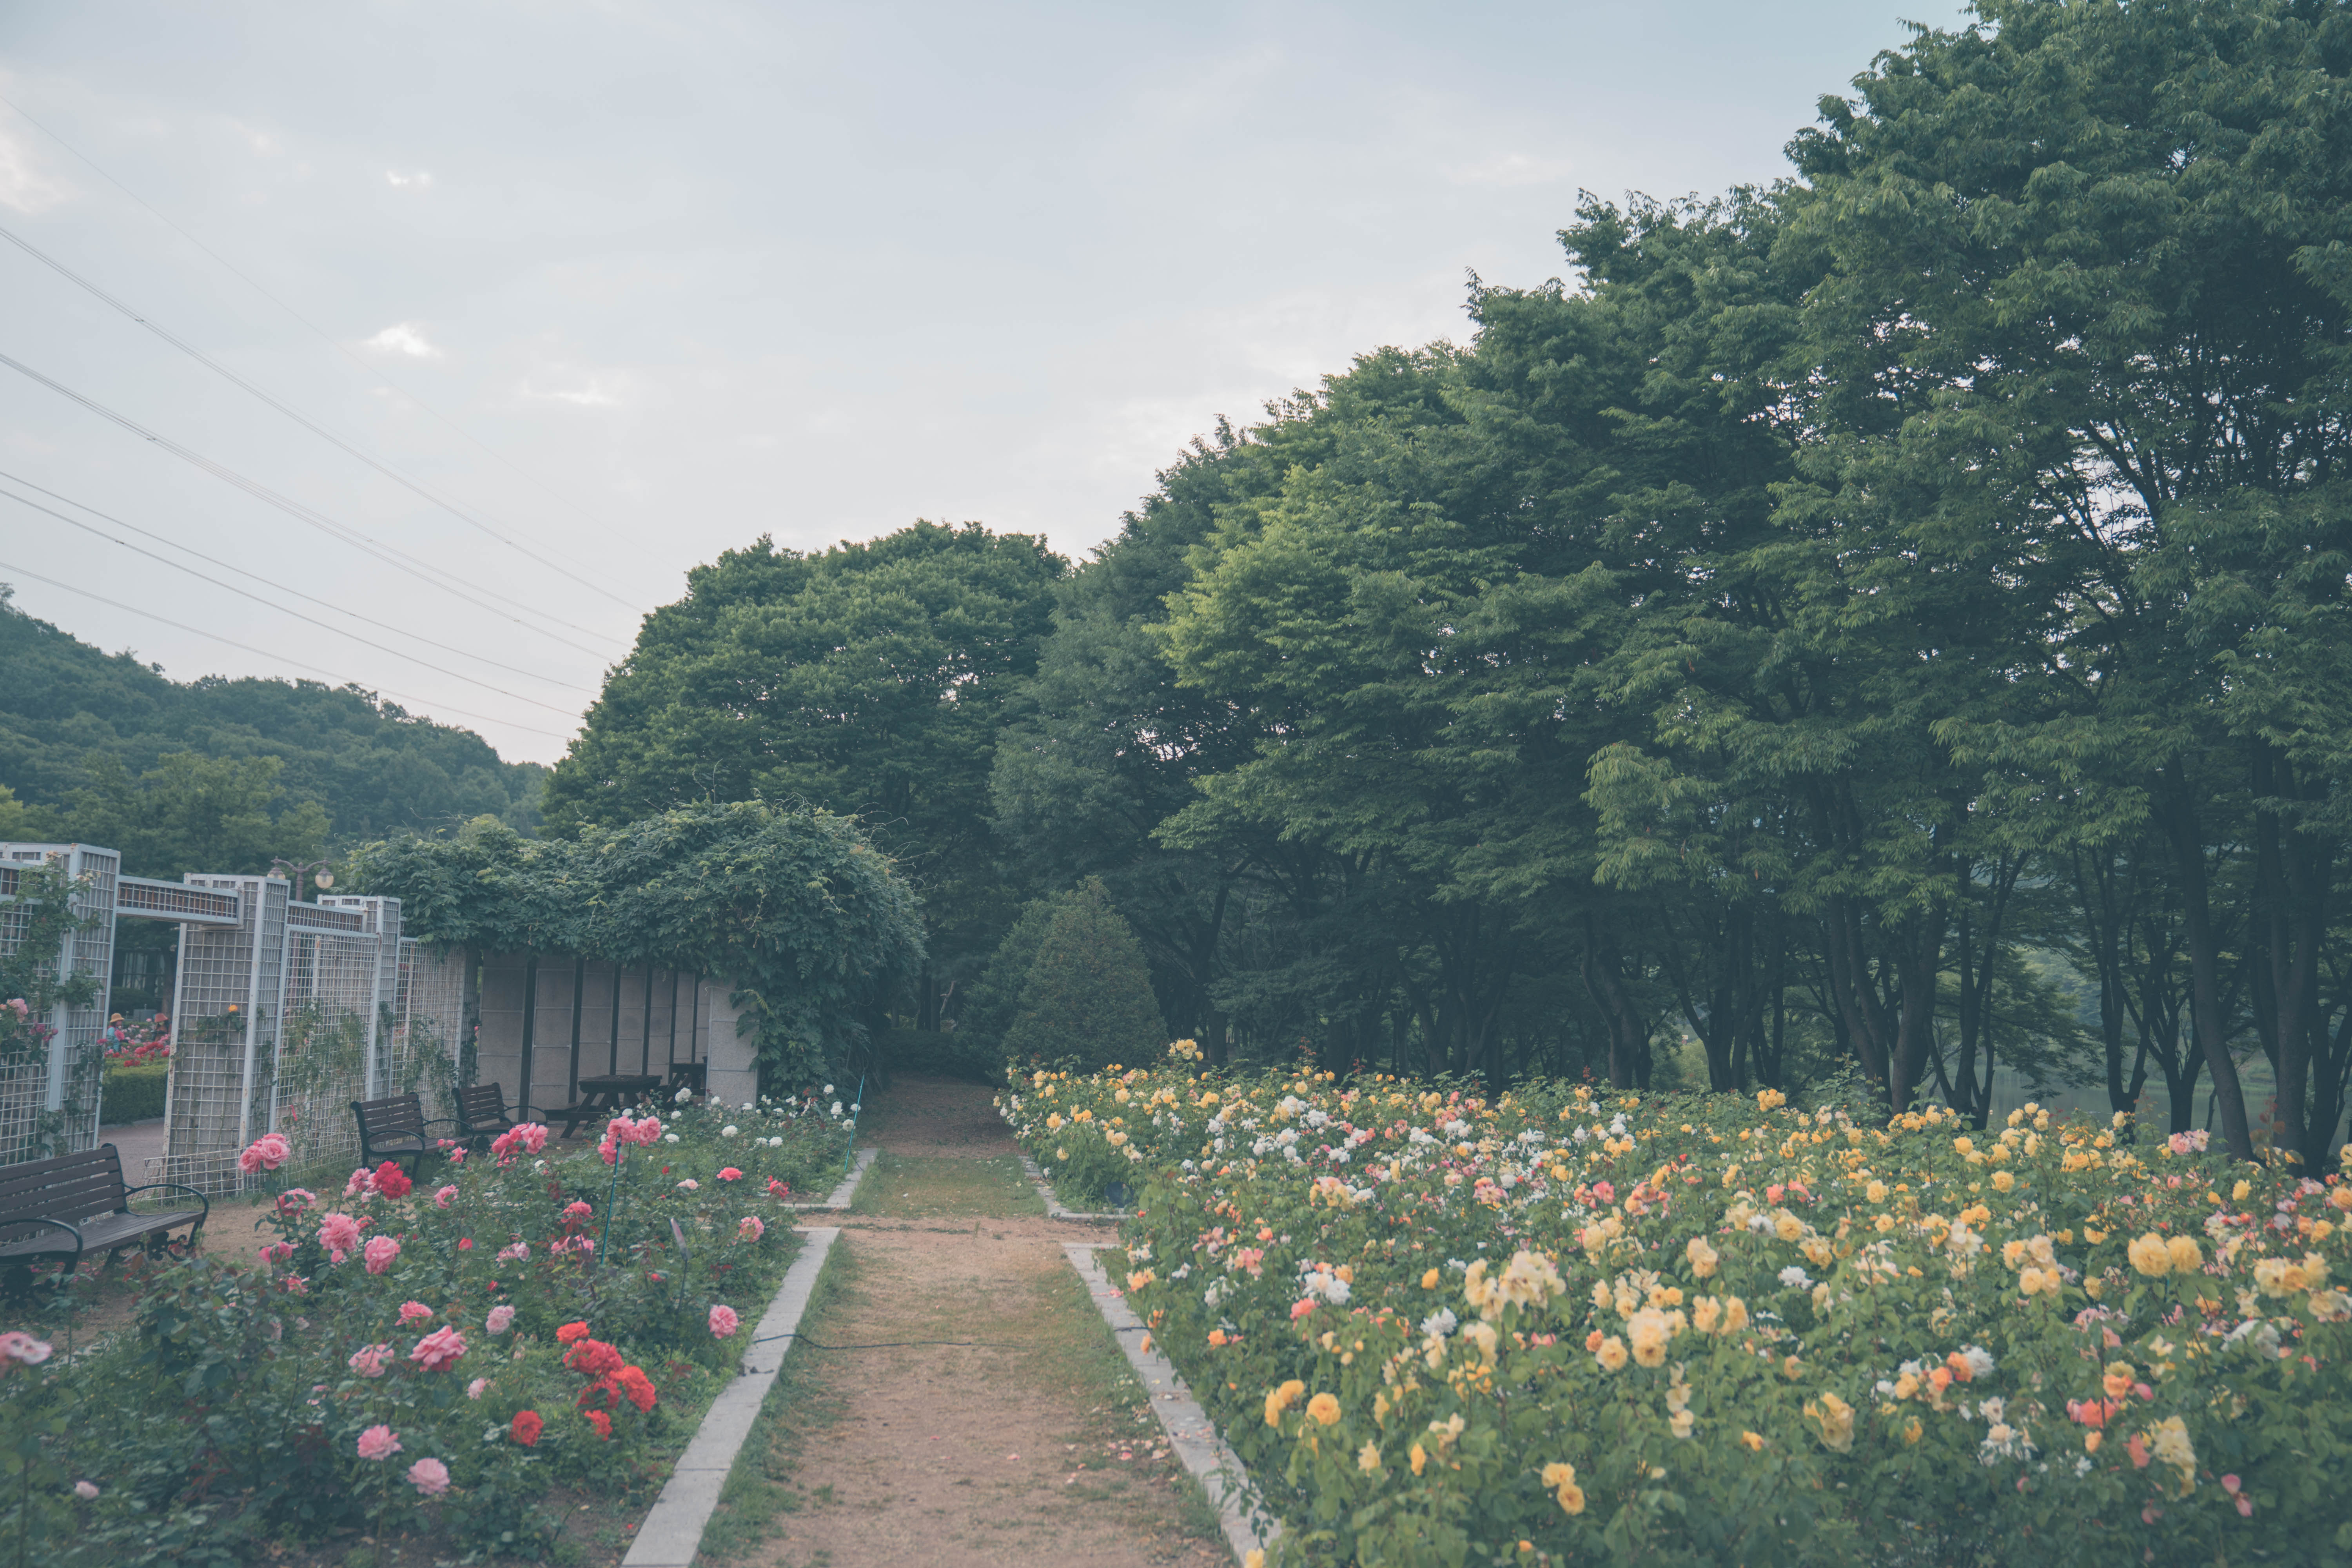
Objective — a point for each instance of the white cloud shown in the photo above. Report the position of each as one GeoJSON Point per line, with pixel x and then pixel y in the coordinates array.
{"type": "Point", "coordinates": [22, 186]}
{"type": "Point", "coordinates": [594, 392]}
{"type": "Point", "coordinates": [403, 338]}
{"type": "Point", "coordinates": [421, 178]}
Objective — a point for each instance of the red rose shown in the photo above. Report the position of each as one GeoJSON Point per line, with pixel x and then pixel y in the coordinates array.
{"type": "Point", "coordinates": [570, 1332]}
{"type": "Point", "coordinates": [525, 1428]}
{"type": "Point", "coordinates": [603, 1423]}
{"type": "Point", "coordinates": [390, 1181]}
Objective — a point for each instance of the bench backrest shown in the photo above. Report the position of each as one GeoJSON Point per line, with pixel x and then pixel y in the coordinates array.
{"type": "Point", "coordinates": [402, 1113]}
{"type": "Point", "coordinates": [70, 1187]}
{"type": "Point", "coordinates": [479, 1104]}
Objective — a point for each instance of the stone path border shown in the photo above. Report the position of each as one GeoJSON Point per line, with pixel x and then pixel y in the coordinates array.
{"type": "Point", "coordinates": [1210, 1459]}
{"type": "Point", "coordinates": [672, 1533]}
{"type": "Point", "coordinates": [1054, 1209]}
{"type": "Point", "coordinates": [848, 1190]}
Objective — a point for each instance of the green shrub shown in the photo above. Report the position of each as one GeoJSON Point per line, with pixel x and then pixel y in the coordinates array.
{"type": "Point", "coordinates": [1087, 999]}
{"type": "Point", "coordinates": [133, 1094]}
{"type": "Point", "coordinates": [994, 1002]}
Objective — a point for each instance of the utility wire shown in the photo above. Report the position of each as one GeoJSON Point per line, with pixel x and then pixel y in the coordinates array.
{"type": "Point", "coordinates": [316, 429]}
{"type": "Point", "coordinates": [313, 620]}
{"type": "Point", "coordinates": [280, 587]}
{"type": "Point", "coordinates": [373, 373]}
{"type": "Point", "coordinates": [297, 663]}
{"type": "Point", "coordinates": [389, 555]}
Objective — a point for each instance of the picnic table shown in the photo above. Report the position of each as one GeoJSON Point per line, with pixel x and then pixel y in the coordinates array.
{"type": "Point", "coordinates": [607, 1095]}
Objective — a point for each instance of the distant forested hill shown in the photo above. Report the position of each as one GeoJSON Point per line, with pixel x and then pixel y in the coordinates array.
{"type": "Point", "coordinates": [85, 737]}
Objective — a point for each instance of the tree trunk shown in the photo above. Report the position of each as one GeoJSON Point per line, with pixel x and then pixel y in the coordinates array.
{"type": "Point", "coordinates": [2205, 966]}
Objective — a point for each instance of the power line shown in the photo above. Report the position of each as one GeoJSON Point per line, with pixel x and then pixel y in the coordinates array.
{"type": "Point", "coordinates": [319, 431]}
{"type": "Point", "coordinates": [373, 373]}
{"type": "Point", "coordinates": [298, 614]}
{"type": "Point", "coordinates": [295, 663]}
{"type": "Point", "coordinates": [280, 587]}
{"type": "Point", "coordinates": [389, 555]}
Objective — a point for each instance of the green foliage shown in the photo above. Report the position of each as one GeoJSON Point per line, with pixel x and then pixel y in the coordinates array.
{"type": "Point", "coordinates": [41, 917]}
{"type": "Point", "coordinates": [994, 999]}
{"type": "Point", "coordinates": [1087, 999]}
{"type": "Point", "coordinates": [75, 721]}
{"type": "Point", "coordinates": [812, 923]}
{"type": "Point", "coordinates": [229, 1412]}
{"type": "Point", "coordinates": [868, 680]}
{"type": "Point", "coordinates": [192, 813]}
{"type": "Point", "coordinates": [132, 1093]}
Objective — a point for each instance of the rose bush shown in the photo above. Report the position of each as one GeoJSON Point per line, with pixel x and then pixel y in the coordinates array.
{"type": "Point", "coordinates": [1441, 1327]}
{"type": "Point", "coordinates": [522, 1317]}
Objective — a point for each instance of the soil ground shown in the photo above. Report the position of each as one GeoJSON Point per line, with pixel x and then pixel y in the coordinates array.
{"type": "Point", "coordinates": [1024, 1441]}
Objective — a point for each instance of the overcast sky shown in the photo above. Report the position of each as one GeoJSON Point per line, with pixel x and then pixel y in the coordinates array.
{"type": "Point", "coordinates": [630, 283]}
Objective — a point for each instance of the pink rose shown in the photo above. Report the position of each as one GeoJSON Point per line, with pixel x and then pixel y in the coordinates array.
{"type": "Point", "coordinates": [430, 1477]}
{"type": "Point", "coordinates": [731, 1174]}
{"type": "Point", "coordinates": [474, 1389]}
{"type": "Point", "coordinates": [17, 1345]}
{"type": "Point", "coordinates": [723, 1323]}
{"type": "Point", "coordinates": [362, 1183]}
{"type": "Point", "coordinates": [380, 1252]}
{"type": "Point", "coordinates": [378, 1443]}
{"type": "Point", "coordinates": [338, 1233]}
{"type": "Point", "coordinates": [414, 1313]}
{"type": "Point", "coordinates": [689, 1185]}
{"type": "Point", "coordinates": [367, 1359]}
{"type": "Point", "coordinates": [500, 1320]}
{"type": "Point", "coordinates": [649, 1130]}
{"type": "Point", "coordinates": [86, 1491]}
{"type": "Point", "coordinates": [445, 1197]}
{"type": "Point", "coordinates": [438, 1348]}
{"type": "Point", "coordinates": [515, 1253]}
{"type": "Point", "coordinates": [752, 1228]}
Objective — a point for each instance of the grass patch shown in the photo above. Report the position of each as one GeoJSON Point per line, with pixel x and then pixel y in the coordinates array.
{"type": "Point", "coordinates": [914, 1186]}
{"type": "Point", "coordinates": [800, 1406]}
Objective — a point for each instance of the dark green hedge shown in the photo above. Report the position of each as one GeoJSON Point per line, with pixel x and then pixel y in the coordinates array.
{"type": "Point", "coordinates": [133, 1094]}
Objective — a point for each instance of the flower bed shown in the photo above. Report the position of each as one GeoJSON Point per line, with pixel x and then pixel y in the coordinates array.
{"type": "Point", "coordinates": [445, 1352]}
{"type": "Point", "coordinates": [1575, 1328]}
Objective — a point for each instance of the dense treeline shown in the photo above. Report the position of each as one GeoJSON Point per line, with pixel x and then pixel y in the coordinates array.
{"type": "Point", "coordinates": [1856, 617]}
{"type": "Point", "coordinates": [215, 774]}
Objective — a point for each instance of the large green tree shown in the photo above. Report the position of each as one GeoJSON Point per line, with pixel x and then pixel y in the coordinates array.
{"type": "Point", "coordinates": [870, 679]}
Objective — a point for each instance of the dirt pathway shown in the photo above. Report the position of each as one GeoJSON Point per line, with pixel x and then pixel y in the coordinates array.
{"type": "Point", "coordinates": [1030, 1448]}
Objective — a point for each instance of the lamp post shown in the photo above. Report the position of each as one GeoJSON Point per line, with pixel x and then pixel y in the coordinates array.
{"type": "Point", "coordinates": [294, 871]}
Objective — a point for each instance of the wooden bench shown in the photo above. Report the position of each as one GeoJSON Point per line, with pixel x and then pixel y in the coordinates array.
{"type": "Point", "coordinates": [694, 1076]}
{"type": "Point", "coordinates": [482, 1113]}
{"type": "Point", "coordinates": [63, 1207]}
{"type": "Point", "coordinates": [395, 1129]}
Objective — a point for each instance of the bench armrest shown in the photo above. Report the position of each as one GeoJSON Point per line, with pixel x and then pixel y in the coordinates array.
{"type": "Point", "coordinates": [72, 1230]}
{"type": "Point", "coordinates": [202, 1214]}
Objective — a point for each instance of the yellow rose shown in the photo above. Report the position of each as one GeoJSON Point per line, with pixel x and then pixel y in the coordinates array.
{"type": "Point", "coordinates": [1419, 1457]}
{"type": "Point", "coordinates": [1280, 1400]}
{"type": "Point", "coordinates": [2241, 1192]}
{"type": "Point", "coordinates": [1611, 1355]}
{"type": "Point", "coordinates": [1703, 1258]}
{"type": "Point", "coordinates": [1734, 1314]}
{"type": "Point", "coordinates": [1705, 1312]}
{"type": "Point", "coordinates": [1787, 1227]}
{"type": "Point", "coordinates": [2151, 1256]}
{"type": "Point", "coordinates": [2186, 1256]}
{"type": "Point", "coordinates": [1324, 1409]}
{"type": "Point", "coordinates": [1368, 1458]}
{"type": "Point", "coordinates": [1649, 1330]}
{"type": "Point", "coordinates": [1428, 1281]}
{"type": "Point", "coordinates": [1755, 1441]}
{"type": "Point", "coordinates": [2002, 1181]}
{"type": "Point", "coordinates": [1834, 1419]}
{"type": "Point", "coordinates": [1875, 1192]}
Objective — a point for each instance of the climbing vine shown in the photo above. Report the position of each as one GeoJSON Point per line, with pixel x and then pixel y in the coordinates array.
{"type": "Point", "coordinates": [813, 924]}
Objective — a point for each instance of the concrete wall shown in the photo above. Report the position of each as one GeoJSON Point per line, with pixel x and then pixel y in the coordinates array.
{"type": "Point", "coordinates": [589, 1018]}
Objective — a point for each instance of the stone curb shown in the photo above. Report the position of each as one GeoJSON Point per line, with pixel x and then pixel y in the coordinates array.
{"type": "Point", "coordinates": [672, 1533]}
{"type": "Point", "coordinates": [848, 1190]}
{"type": "Point", "coordinates": [1209, 1458]}
{"type": "Point", "coordinates": [1054, 1209]}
